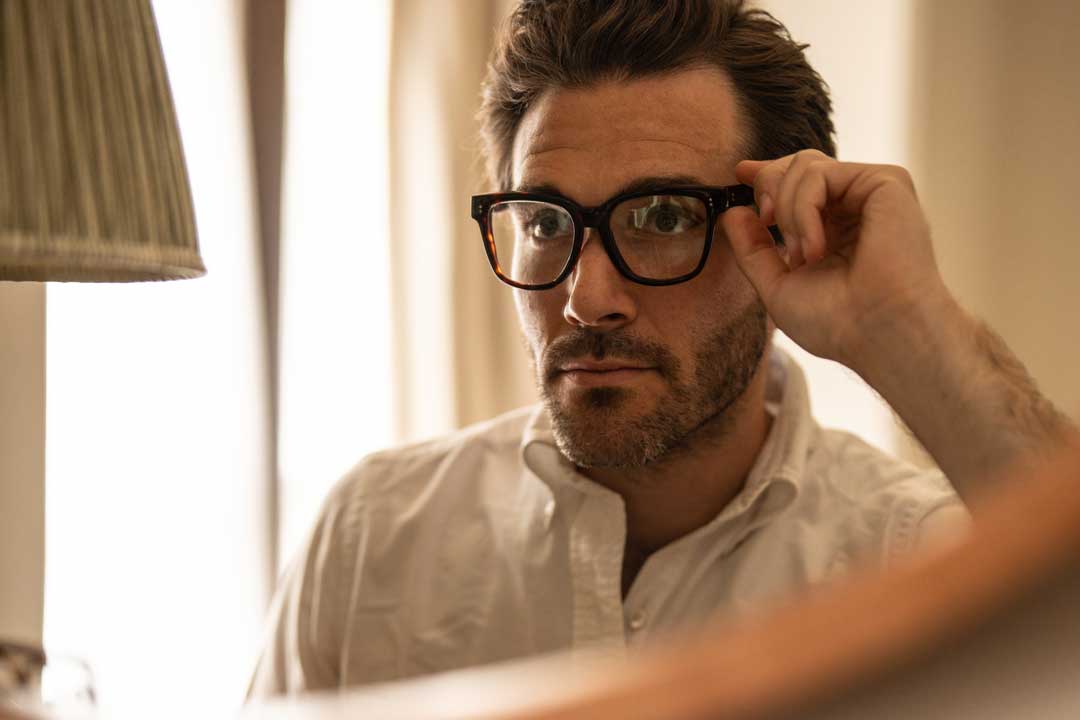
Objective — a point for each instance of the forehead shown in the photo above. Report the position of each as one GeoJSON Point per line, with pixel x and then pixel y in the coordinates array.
{"type": "Point", "coordinates": [589, 142]}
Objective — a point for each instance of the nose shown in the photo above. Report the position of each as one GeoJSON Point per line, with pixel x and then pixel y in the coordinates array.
{"type": "Point", "coordinates": [599, 297]}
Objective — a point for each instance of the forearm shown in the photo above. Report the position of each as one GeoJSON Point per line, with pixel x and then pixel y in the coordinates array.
{"type": "Point", "coordinates": [962, 392]}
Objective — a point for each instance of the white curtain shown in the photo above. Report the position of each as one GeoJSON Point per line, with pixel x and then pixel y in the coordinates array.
{"type": "Point", "coordinates": [393, 327]}
{"type": "Point", "coordinates": [156, 562]}
{"type": "Point", "coordinates": [336, 381]}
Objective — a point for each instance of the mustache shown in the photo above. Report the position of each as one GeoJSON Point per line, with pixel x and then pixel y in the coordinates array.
{"type": "Point", "coordinates": [587, 343]}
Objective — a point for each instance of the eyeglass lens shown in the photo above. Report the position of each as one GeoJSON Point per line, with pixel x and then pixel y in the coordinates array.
{"type": "Point", "coordinates": [659, 237]}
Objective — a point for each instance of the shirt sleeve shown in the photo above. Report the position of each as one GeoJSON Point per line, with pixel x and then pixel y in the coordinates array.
{"type": "Point", "coordinates": [944, 525]}
{"type": "Point", "coordinates": [925, 511]}
{"type": "Point", "coordinates": [302, 641]}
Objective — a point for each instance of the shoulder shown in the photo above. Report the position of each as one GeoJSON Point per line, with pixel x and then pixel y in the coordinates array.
{"type": "Point", "coordinates": [447, 465]}
{"type": "Point", "coordinates": [392, 508]}
{"type": "Point", "coordinates": [885, 499]}
{"type": "Point", "coordinates": [392, 503]}
{"type": "Point", "coordinates": [852, 468]}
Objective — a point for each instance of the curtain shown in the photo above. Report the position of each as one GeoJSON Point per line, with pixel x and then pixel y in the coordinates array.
{"type": "Point", "coordinates": [157, 465]}
{"type": "Point", "coordinates": [335, 373]}
{"type": "Point", "coordinates": [392, 326]}
{"type": "Point", "coordinates": [456, 343]}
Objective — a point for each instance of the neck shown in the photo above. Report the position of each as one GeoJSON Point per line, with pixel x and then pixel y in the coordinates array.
{"type": "Point", "coordinates": [676, 495]}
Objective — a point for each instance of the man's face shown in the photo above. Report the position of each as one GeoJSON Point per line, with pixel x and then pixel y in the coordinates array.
{"type": "Point", "coordinates": [631, 372]}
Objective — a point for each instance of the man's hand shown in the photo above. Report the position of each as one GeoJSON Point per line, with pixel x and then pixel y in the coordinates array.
{"type": "Point", "coordinates": [857, 244]}
{"type": "Point", "coordinates": [860, 285]}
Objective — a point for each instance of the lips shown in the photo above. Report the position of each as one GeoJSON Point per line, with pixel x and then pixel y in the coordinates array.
{"type": "Point", "coordinates": [603, 373]}
{"type": "Point", "coordinates": [600, 366]}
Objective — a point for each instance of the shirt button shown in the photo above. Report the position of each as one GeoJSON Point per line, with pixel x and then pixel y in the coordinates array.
{"type": "Point", "coordinates": [637, 620]}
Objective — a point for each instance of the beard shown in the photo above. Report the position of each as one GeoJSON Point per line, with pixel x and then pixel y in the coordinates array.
{"type": "Point", "coordinates": [596, 427]}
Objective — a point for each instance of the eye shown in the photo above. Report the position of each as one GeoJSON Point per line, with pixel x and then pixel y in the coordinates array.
{"type": "Point", "coordinates": [547, 224]}
{"type": "Point", "coordinates": [664, 216]}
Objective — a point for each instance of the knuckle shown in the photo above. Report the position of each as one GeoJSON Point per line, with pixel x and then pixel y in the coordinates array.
{"type": "Point", "coordinates": [815, 175]}
{"type": "Point", "coordinates": [767, 181]}
{"type": "Point", "coordinates": [801, 159]}
{"type": "Point", "coordinates": [811, 156]}
{"type": "Point", "coordinates": [901, 175]}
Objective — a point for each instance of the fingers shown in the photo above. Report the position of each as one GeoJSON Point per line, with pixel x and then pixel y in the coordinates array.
{"type": "Point", "coordinates": [754, 250]}
{"type": "Point", "coordinates": [749, 172]}
{"type": "Point", "coordinates": [793, 193]}
{"type": "Point", "coordinates": [809, 198]}
{"type": "Point", "coordinates": [790, 180]}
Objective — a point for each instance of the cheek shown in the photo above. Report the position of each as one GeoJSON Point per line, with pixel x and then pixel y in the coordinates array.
{"type": "Point", "coordinates": [722, 297]}
{"type": "Point", "coordinates": [721, 266]}
{"type": "Point", "coordinates": [730, 291]}
{"type": "Point", "coordinates": [538, 313]}
{"type": "Point", "coordinates": [722, 305]}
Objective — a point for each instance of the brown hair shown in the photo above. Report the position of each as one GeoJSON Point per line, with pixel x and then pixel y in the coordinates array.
{"type": "Point", "coordinates": [576, 43]}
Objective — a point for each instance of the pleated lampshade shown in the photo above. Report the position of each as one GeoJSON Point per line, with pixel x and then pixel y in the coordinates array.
{"type": "Point", "coordinates": [93, 186]}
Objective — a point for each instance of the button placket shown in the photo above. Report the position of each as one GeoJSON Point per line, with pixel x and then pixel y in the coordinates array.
{"type": "Point", "coordinates": [549, 513]}
{"type": "Point", "coordinates": [596, 540]}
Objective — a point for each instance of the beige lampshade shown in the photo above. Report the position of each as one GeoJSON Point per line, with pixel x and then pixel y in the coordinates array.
{"type": "Point", "coordinates": [93, 186]}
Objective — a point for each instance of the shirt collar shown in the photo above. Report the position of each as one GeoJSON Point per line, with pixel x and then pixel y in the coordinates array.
{"type": "Point", "coordinates": [773, 482]}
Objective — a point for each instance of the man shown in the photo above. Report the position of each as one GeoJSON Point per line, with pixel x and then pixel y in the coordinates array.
{"type": "Point", "coordinates": [673, 470]}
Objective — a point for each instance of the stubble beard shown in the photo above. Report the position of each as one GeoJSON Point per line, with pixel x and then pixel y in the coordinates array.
{"type": "Point", "coordinates": [596, 428]}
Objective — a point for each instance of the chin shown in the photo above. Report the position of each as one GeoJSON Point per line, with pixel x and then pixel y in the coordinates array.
{"type": "Point", "coordinates": [602, 399]}
{"type": "Point", "coordinates": [608, 404]}
{"type": "Point", "coordinates": [607, 427]}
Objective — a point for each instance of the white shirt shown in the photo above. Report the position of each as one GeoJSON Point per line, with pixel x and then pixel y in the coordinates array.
{"type": "Point", "coordinates": [487, 545]}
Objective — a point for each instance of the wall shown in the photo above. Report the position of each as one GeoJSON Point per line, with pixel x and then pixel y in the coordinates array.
{"type": "Point", "coordinates": [22, 460]}
{"type": "Point", "coordinates": [995, 112]}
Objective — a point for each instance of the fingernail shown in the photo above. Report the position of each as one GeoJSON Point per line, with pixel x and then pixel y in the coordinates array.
{"type": "Point", "coordinates": [764, 205]}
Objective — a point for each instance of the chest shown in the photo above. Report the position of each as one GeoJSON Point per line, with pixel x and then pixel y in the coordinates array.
{"type": "Point", "coordinates": [496, 585]}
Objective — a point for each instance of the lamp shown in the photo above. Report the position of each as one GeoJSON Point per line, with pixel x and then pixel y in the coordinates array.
{"type": "Point", "coordinates": [93, 186]}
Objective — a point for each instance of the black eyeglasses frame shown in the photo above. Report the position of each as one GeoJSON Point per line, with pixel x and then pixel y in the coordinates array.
{"type": "Point", "coordinates": [717, 200]}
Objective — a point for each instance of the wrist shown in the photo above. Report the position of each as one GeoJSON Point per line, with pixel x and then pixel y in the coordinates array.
{"type": "Point", "coordinates": [910, 339]}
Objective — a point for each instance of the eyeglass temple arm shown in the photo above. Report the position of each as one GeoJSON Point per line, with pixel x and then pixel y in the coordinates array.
{"type": "Point", "coordinates": [743, 195]}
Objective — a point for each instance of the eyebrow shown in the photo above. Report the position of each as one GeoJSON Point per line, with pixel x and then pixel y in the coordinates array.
{"type": "Point", "coordinates": [643, 184]}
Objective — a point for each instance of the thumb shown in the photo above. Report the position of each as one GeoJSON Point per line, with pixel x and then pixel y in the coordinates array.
{"type": "Point", "coordinates": [754, 250]}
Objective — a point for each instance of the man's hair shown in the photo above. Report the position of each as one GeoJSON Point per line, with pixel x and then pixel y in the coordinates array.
{"type": "Point", "coordinates": [576, 43]}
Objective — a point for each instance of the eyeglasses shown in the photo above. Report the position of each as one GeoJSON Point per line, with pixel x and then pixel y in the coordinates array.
{"type": "Point", "coordinates": [658, 237]}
